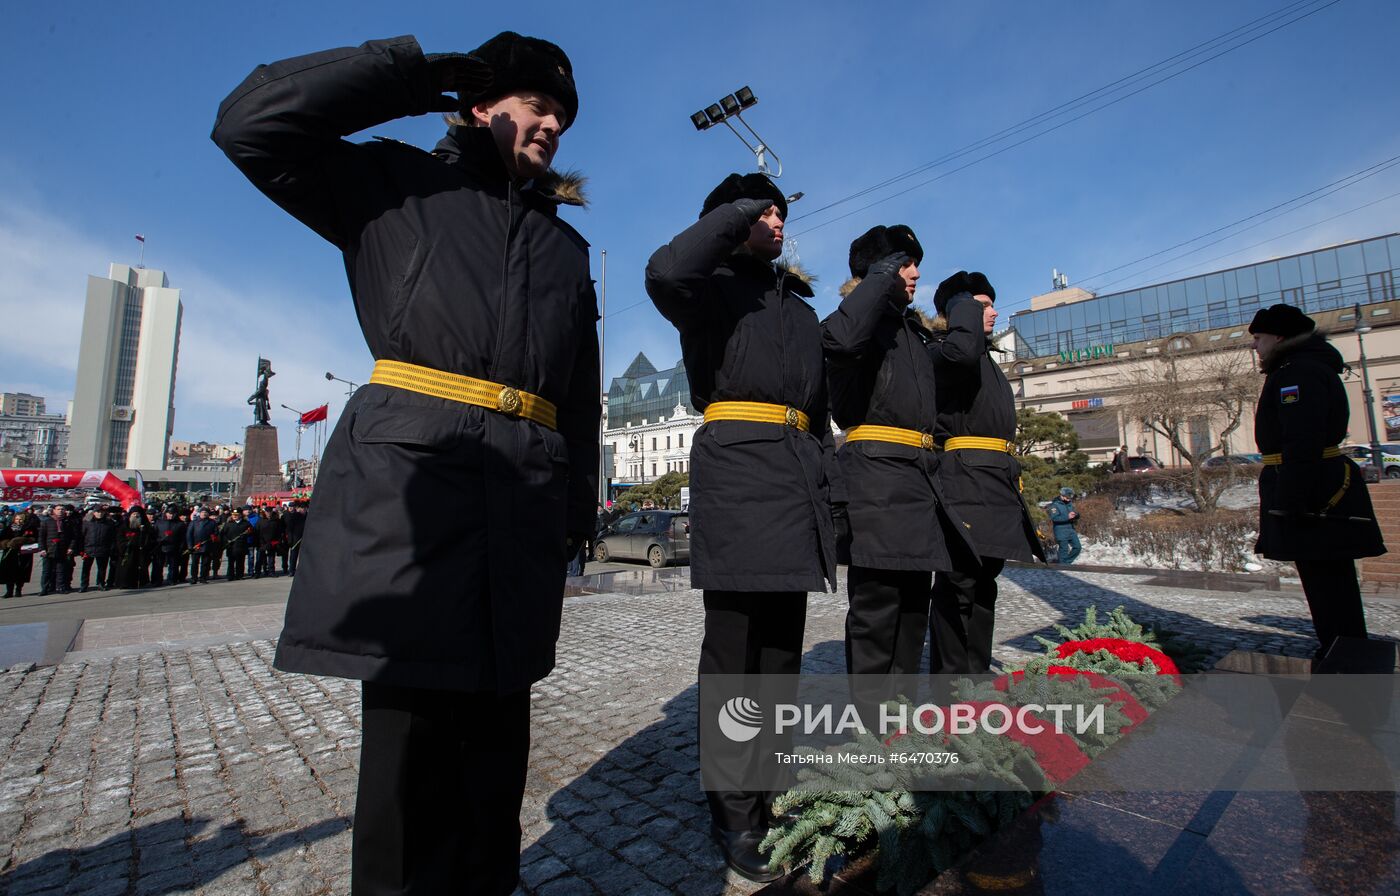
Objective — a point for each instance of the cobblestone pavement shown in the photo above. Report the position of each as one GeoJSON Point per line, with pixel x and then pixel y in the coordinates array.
{"type": "Point", "coordinates": [201, 770]}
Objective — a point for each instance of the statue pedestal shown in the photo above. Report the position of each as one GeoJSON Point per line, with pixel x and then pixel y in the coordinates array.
{"type": "Point", "coordinates": [262, 467]}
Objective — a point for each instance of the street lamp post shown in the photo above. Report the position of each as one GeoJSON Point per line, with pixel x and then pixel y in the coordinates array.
{"type": "Point", "coordinates": [296, 468]}
{"type": "Point", "coordinates": [1376, 456]}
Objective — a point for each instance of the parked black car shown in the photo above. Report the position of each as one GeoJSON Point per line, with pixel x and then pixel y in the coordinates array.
{"type": "Point", "coordinates": [659, 537]}
{"type": "Point", "coordinates": [1233, 460]}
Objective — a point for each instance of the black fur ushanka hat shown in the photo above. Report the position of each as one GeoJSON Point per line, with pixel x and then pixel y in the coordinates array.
{"type": "Point", "coordinates": [527, 63]}
{"type": "Point", "coordinates": [745, 186]}
{"type": "Point", "coordinates": [881, 241]}
{"type": "Point", "coordinates": [1281, 320]}
{"type": "Point", "coordinates": [975, 283]}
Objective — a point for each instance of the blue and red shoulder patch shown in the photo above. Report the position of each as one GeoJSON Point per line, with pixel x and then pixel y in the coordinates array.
{"type": "Point", "coordinates": [1288, 395]}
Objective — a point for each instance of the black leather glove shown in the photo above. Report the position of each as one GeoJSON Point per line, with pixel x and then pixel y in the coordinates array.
{"type": "Point", "coordinates": [841, 520]}
{"type": "Point", "coordinates": [890, 264]}
{"type": "Point", "coordinates": [753, 209]}
{"type": "Point", "coordinates": [957, 301]}
{"type": "Point", "coordinates": [459, 73]}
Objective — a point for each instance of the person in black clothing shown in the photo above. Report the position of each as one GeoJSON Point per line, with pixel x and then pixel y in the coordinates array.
{"type": "Point", "coordinates": [183, 567]}
{"type": "Point", "coordinates": [216, 544]}
{"type": "Point", "coordinates": [1314, 508]}
{"type": "Point", "coordinates": [475, 298]}
{"type": "Point", "coordinates": [170, 540]}
{"type": "Point", "coordinates": [99, 542]}
{"type": "Point", "coordinates": [295, 524]}
{"type": "Point", "coordinates": [199, 542]}
{"type": "Point", "coordinates": [234, 536]}
{"type": "Point", "coordinates": [979, 475]}
{"type": "Point", "coordinates": [883, 397]}
{"type": "Point", "coordinates": [56, 543]}
{"type": "Point", "coordinates": [269, 529]}
{"type": "Point", "coordinates": [763, 467]}
{"type": "Point", "coordinates": [17, 564]}
{"type": "Point", "coordinates": [133, 540]}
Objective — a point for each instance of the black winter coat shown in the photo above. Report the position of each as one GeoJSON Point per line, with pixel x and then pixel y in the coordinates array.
{"type": "Point", "coordinates": [981, 487]}
{"type": "Point", "coordinates": [234, 534]}
{"type": "Point", "coordinates": [55, 537]}
{"type": "Point", "coordinates": [170, 536]}
{"type": "Point", "coordinates": [198, 535]}
{"type": "Point", "coordinates": [880, 373]}
{"type": "Point", "coordinates": [761, 493]}
{"type": "Point", "coordinates": [270, 533]}
{"type": "Point", "coordinates": [99, 537]}
{"type": "Point", "coordinates": [295, 525]}
{"type": "Point", "coordinates": [435, 553]}
{"type": "Point", "coordinates": [1302, 410]}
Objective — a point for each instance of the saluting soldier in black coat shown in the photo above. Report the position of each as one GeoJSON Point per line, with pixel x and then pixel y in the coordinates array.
{"type": "Point", "coordinates": [979, 474]}
{"type": "Point", "coordinates": [476, 301]}
{"type": "Point", "coordinates": [883, 396]}
{"type": "Point", "coordinates": [762, 463]}
{"type": "Point", "coordinates": [1314, 508]}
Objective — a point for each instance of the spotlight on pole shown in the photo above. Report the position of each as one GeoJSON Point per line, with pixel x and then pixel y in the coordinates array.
{"type": "Point", "coordinates": [732, 107]}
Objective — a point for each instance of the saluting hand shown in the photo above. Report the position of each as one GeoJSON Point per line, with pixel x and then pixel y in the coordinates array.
{"type": "Point", "coordinates": [753, 209]}
{"type": "Point", "coordinates": [890, 264]}
{"type": "Point", "coordinates": [459, 73]}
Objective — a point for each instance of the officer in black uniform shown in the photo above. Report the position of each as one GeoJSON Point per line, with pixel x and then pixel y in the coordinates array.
{"type": "Point", "coordinates": [980, 476]}
{"type": "Point", "coordinates": [762, 463]}
{"type": "Point", "coordinates": [1314, 508]}
{"type": "Point", "coordinates": [474, 297]}
{"type": "Point", "coordinates": [883, 397]}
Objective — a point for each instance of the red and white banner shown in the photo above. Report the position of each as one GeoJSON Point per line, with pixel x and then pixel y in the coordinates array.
{"type": "Point", "coordinates": [21, 485]}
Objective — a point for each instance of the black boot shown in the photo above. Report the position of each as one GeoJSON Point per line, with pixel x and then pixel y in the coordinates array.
{"type": "Point", "coordinates": [740, 849]}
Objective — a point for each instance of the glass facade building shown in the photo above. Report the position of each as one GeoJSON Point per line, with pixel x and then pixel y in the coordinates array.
{"type": "Point", "coordinates": [644, 394]}
{"type": "Point", "coordinates": [1364, 271]}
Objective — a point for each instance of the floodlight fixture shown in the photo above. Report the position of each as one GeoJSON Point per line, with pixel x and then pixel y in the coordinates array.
{"type": "Point", "coordinates": [732, 106]}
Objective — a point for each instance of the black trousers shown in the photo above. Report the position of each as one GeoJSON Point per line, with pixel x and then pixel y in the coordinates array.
{"type": "Point", "coordinates": [201, 565]}
{"type": "Point", "coordinates": [964, 613]}
{"type": "Point", "coordinates": [750, 633]}
{"type": "Point", "coordinates": [172, 567]}
{"type": "Point", "coordinates": [442, 775]}
{"type": "Point", "coordinates": [103, 578]}
{"type": "Point", "coordinates": [886, 618]}
{"type": "Point", "coordinates": [292, 554]}
{"type": "Point", "coordinates": [236, 563]}
{"type": "Point", "coordinates": [1334, 598]}
{"type": "Point", "coordinates": [56, 575]}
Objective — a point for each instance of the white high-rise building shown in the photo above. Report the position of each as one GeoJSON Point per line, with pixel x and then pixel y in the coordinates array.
{"type": "Point", "coordinates": [124, 401]}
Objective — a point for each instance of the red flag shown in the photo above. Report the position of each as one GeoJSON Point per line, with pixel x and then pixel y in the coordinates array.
{"type": "Point", "coordinates": [315, 415]}
{"type": "Point", "coordinates": [140, 238]}
{"type": "Point", "coordinates": [232, 459]}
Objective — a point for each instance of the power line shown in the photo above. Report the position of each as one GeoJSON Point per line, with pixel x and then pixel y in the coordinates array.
{"type": "Point", "coordinates": [1050, 113]}
{"type": "Point", "coordinates": [1322, 192]}
{"type": "Point", "coordinates": [1016, 306]}
{"type": "Point", "coordinates": [1032, 122]}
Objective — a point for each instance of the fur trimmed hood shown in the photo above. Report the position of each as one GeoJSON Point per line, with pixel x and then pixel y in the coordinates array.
{"type": "Point", "coordinates": [1311, 343]}
{"type": "Point", "coordinates": [567, 187]}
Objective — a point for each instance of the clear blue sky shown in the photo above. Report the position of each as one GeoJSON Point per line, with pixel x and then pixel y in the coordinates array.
{"type": "Point", "coordinates": [107, 110]}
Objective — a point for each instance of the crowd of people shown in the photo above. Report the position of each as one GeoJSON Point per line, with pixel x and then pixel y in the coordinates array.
{"type": "Point", "coordinates": [145, 547]}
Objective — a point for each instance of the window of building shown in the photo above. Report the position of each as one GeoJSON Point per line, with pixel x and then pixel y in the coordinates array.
{"type": "Point", "coordinates": [680, 440]}
{"type": "Point", "coordinates": [668, 442]}
{"type": "Point", "coordinates": [1293, 296]}
{"type": "Point", "coordinates": [653, 443]}
{"type": "Point", "coordinates": [1329, 294]}
{"type": "Point", "coordinates": [1380, 287]}
{"type": "Point", "coordinates": [653, 469]}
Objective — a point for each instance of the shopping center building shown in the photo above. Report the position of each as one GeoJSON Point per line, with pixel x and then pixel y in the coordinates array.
{"type": "Point", "coordinates": [1094, 357]}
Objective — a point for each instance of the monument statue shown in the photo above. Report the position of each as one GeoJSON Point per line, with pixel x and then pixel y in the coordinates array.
{"type": "Point", "coordinates": [262, 405]}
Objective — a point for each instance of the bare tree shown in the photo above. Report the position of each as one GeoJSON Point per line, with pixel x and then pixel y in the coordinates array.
{"type": "Point", "coordinates": [1180, 387]}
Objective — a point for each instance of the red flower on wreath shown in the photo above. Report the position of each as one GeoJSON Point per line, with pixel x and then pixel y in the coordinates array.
{"type": "Point", "coordinates": [1134, 710]}
{"type": "Point", "coordinates": [1128, 651]}
{"type": "Point", "coordinates": [1056, 753]}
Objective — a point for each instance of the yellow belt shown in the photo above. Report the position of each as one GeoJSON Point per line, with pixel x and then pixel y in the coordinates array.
{"type": "Point", "coordinates": [758, 412]}
{"type": "Point", "coordinates": [1273, 460]}
{"type": "Point", "coordinates": [867, 432]}
{"type": "Point", "coordinates": [466, 389]}
{"type": "Point", "coordinates": [985, 444]}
